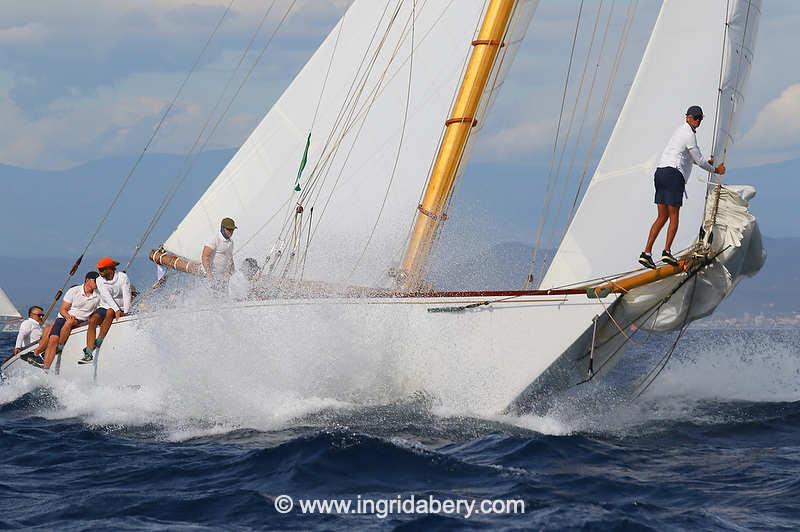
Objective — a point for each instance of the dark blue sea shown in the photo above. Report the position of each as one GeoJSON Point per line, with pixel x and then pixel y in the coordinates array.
{"type": "Point", "coordinates": [714, 444]}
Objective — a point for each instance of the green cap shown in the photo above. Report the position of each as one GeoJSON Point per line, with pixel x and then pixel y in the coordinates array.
{"type": "Point", "coordinates": [228, 223]}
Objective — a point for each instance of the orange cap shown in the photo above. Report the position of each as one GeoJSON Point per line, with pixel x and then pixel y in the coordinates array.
{"type": "Point", "coordinates": [106, 262]}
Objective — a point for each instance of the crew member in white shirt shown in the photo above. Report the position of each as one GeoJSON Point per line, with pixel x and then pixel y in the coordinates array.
{"type": "Point", "coordinates": [115, 294]}
{"type": "Point", "coordinates": [31, 332]}
{"type": "Point", "coordinates": [218, 255]}
{"type": "Point", "coordinates": [81, 305]}
{"type": "Point", "coordinates": [671, 176]}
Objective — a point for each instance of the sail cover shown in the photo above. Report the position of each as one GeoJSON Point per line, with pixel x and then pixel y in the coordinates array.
{"type": "Point", "coordinates": [376, 79]}
{"type": "Point", "coordinates": [697, 50]}
{"type": "Point", "coordinates": [7, 308]}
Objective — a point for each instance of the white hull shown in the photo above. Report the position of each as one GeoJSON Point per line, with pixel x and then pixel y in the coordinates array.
{"type": "Point", "coordinates": [373, 349]}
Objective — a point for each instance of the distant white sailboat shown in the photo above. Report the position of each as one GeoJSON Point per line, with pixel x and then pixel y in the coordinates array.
{"type": "Point", "coordinates": [387, 110]}
{"type": "Point", "coordinates": [10, 318]}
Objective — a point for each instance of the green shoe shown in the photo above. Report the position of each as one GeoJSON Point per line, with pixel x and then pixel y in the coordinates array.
{"type": "Point", "coordinates": [87, 357]}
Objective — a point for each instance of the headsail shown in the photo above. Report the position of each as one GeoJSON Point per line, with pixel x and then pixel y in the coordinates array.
{"type": "Point", "coordinates": [7, 308]}
{"type": "Point", "coordinates": [361, 79]}
{"type": "Point", "coordinates": [696, 49]}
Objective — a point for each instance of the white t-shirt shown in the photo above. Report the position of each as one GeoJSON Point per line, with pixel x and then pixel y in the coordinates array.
{"type": "Point", "coordinates": [82, 306]}
{"type": "Point", "coordinates": [30, 332]}
{"type": "Point", "coordinates": [222, 258]}
{"type": "Point", "coordinates": [116, 293]}
{"type": "Point", "coordinates": [682, 151]}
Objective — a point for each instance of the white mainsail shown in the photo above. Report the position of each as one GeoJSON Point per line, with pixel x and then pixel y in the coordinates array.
{"type": "Point", "coordinates": [697, 50]}
{"type": "Point", "coordinates": [7, 308]}
{"type": "Point", "coordinates": [362, 208]}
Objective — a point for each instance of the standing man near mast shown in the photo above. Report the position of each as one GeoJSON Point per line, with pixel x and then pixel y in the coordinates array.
{"type": "Point", "coordinates": [671, 176]}
{"type": "Point", "coordinates": [217, 256]}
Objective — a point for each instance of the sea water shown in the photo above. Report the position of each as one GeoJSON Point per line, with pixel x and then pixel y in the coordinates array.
{"type": "Point", "coordinates": [713, 444]}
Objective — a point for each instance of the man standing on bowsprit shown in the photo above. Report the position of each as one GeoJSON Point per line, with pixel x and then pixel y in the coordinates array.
{"type": "Point", "coordinates": [671, 176]}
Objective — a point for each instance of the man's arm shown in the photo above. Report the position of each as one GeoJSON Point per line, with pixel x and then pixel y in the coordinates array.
{"type": "Point", "coordinates": [23, 336]}
{"type": "Point", "coordinates": [208, 252]}
{"type": "Point", "coordinates": [106, 298]}
{"type": "Point", "coordinates": [64, 311]}
{"type": "Point", "coordinates": [126, 294]}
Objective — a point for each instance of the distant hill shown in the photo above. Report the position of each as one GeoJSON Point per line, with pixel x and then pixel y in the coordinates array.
{"type": "Point", "coordinates": [52, 213]}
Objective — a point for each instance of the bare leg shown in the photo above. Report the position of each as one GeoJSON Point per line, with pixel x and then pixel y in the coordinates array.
{"type": "Point", "coordinates": [65, 332]}
{"type": "Point", "coordinates": [674, 213]}
{"type": "Point", "coordinates": [43, 341]}
{"type": "Point", "coordinates": [106, 324]}
{"type": "Point", "coordinates": [50, 352]}
{"type": "Point", "coordinates": [91, 331]}
{"type": "Point", "coordinates": [663, 215]}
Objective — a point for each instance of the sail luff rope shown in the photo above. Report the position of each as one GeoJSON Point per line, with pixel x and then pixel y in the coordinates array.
{"type": "Point", "coordinates": [727, 130]}
{"type": "Point", "coordinates": [549, 191]}
{"type": "Point", "coordinates": [187, 161]}
{"type": "Point", "coordinates": [127, 179]}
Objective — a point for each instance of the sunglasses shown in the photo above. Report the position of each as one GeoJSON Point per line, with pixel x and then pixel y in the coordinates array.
{"type": "Point", "coordinates": [38, 315]}
{"type": "Point", "coordinates": [698, 118]}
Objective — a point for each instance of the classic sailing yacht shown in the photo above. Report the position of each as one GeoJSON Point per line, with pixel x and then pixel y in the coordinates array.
{"type": "Point", "coordinates": [381, 121]}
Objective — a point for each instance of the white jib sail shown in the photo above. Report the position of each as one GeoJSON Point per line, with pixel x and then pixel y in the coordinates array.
{"type": "Point", "coordinates": [362, 208]}
{"type": "Point", "coordinates": [692, 46]}
{"type": "Point", "coordinates": [7, 308]}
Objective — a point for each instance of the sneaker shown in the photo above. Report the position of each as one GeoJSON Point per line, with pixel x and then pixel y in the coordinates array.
{"type": "Point", "coordinates": [33, 359]}
{"type": "Point", "coordinates": [647, 261]}
{"type": "Point", "coordinates": [87, 357]}
{"type": "Point", "coordinates": [667, 257]}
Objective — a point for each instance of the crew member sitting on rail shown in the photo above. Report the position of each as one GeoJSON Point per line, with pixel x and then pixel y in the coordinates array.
{"type": "Point", "coordinates": [81, 305]}
{"type": "Point", "coordinates": [31, 331]}
{"type": "Point", "coordinates": [218, 256]}
{"type": "Point", "coordinates": [115, 294]}
{"type": "Point", "coordinates": [671, 176]}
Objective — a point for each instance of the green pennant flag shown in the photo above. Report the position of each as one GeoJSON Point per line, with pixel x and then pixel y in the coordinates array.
{"type": "Point", "coordinates": [302, 163]}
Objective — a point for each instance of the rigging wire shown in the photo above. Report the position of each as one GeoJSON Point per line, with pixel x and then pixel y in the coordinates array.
{"type": "Point", "coordinates": [598, 123]}
{"type": "Point", "coordinates": [550, 176]}
{"type": "Point", "coordinates": [188, 160]}
{"type": "Point", "coordinates": [139, 159]}
{"type": "Point", "coordinates": [399, 145]}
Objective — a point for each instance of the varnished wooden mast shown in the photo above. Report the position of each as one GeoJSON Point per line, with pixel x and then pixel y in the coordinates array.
{"type": "Point", "coordinates": [462, 120]}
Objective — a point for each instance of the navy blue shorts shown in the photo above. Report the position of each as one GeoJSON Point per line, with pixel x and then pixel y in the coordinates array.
{"type": "Point", "coordinates": [670, 186]}
{"type": "Point", "coordinates": [55, 330]}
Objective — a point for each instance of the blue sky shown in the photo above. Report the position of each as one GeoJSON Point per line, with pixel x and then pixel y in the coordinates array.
{"type": "Point", "coordinates": [88, 79]}
{"type": "Point", "coordinates": [85, 79]}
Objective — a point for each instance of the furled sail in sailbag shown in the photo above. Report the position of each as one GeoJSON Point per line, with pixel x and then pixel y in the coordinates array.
{"type": "Point", "coordinates": [374, 97]}
{"type": "Point", "coordinates": [697, 51]}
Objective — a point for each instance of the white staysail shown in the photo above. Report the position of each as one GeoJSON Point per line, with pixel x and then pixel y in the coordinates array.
{"type": "Point", "coordinates": [7, 308]}
{"type": "Point", "coordinates": [371, 91]}
{"type": "Point", "coordinates": [697, 50]}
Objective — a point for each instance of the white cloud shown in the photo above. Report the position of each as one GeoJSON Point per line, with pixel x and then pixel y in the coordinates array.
{"type": "Point", "coordinates": [33, 32]}
{"type": "Point", "coordinates": [775, 135]}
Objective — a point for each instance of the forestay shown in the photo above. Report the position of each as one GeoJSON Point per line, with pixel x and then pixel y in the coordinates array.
{"type": "Point", "coordinates": [358, 80]}
{"type": "Point", "coordinates": [691, 55]}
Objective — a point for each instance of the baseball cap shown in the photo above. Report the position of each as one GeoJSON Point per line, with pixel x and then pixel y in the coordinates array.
{"type": "Point", "coordinates": [694, 111]}
{"type": "Point", "coordinates": [228, 223]}
{"type": "Point", "coordinates": [106, 262]}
